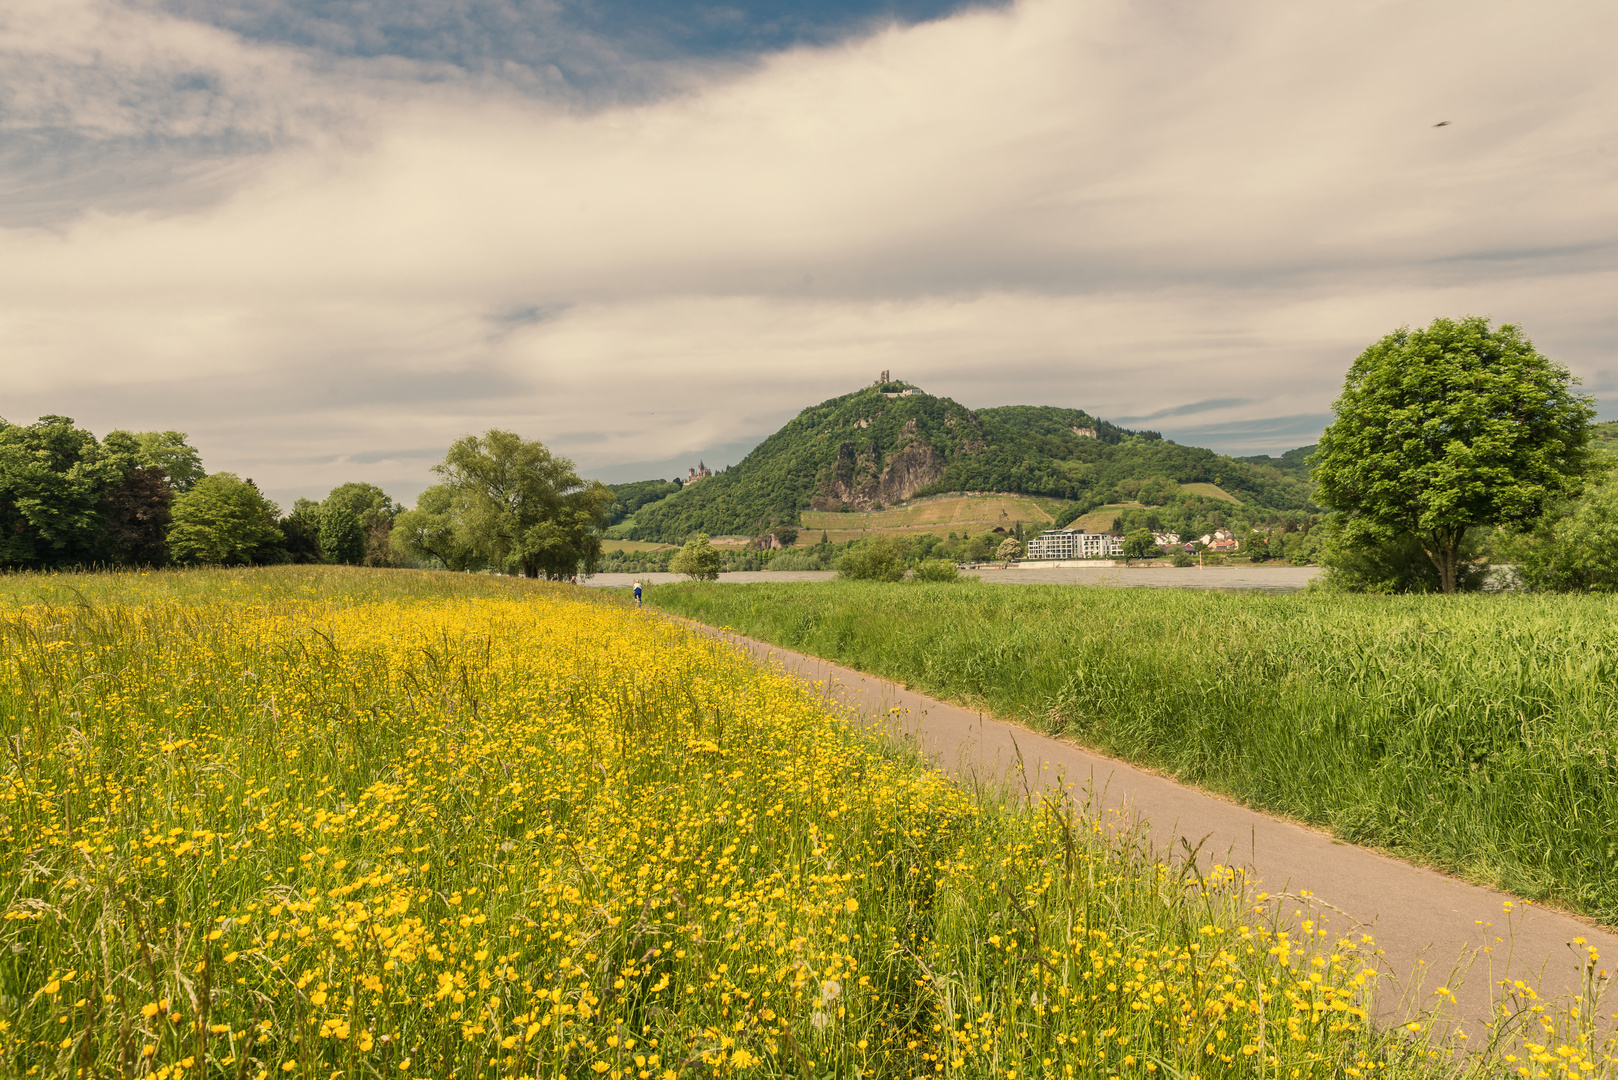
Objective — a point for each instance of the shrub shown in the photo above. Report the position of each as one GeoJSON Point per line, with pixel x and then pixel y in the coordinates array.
{"type": "Point", "coordinates": [1573, 551]}
{"type": "Point", "coordinates": [698, 560]}
{"type": "Point", "coordinates": [877, 560]}
{"type": "Point", "coordinates": [797, 560]}
{"type": "Point", "coordinates": [935, 570]}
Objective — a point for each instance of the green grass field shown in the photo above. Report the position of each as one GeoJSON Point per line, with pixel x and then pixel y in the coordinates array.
{"type": "Point", "coordinates": [939, 514]}
{"type": "Point", "coordinates": [1212, 491]}
{"type": "Point", "coordinates": [1478, 733]}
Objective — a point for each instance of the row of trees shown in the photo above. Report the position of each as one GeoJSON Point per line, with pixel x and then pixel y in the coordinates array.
{"type": "Point", "coordinates": [144, 499]}
{"type": "Point", "coordinates": [68, 498]}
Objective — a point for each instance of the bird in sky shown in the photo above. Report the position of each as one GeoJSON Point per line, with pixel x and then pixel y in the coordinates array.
{"type": "Point", "coordinates": [1442, 123]}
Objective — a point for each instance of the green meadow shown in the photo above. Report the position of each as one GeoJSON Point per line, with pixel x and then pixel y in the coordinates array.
{"type": "Point", "coordinates": [1478, 734]}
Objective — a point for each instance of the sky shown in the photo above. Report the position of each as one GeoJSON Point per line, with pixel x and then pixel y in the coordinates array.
{"type": "Point", "coordinates": [326, 238]}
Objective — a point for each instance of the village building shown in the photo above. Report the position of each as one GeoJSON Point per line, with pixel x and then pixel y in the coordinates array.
{"type": "Point", "coordinates": [1074, 544]}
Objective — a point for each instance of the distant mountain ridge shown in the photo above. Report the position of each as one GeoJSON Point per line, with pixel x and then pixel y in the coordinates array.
{"type": "Point", "coordinates": [878, 446]}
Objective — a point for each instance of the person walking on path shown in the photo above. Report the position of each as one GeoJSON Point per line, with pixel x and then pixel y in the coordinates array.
{"type": "Point", "coordinates": [637, 594]}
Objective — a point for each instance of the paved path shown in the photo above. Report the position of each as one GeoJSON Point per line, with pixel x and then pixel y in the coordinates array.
{"type": "Point", "coordinates": [1416, 915]}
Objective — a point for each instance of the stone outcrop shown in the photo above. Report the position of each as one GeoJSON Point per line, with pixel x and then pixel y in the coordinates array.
{"type": "Point", "coordinates": [855, 483]}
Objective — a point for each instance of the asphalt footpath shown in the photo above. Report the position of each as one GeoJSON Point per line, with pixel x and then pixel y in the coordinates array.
{"type": "Point", "coordinates": [1431, 928]}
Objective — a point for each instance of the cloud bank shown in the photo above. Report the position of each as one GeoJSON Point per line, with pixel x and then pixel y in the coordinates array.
{"type": "Point", "coordinates": [1193, 216]}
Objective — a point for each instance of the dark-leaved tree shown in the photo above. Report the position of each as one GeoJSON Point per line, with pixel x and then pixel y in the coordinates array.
{"type": "Point", "coordinates": [300, 533]}
{"type": "Point", "coordinates": [135, 517]}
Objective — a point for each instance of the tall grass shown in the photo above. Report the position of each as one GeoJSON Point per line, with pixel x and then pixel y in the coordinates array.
{"type": "Point", "coordinates": [1477, 733]}
{"type": "Point", "coordinates": [308, 822]}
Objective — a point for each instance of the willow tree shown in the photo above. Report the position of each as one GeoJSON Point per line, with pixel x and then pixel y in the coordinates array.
{"type": "Point", "coordinates": [1445, 429]}
{"type": "Point", "coordinates": [519, 507]}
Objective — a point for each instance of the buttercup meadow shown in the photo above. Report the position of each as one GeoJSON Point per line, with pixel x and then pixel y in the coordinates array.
{"type": "Point", "coordinates": [333, 823]}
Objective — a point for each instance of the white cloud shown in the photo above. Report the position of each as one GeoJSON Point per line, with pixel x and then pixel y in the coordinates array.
{"type": "Point", "coordinates": [1120, 206]}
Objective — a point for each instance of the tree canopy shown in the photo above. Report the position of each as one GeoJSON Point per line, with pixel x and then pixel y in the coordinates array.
{"type": "Point", "coordinates": [53, 475]}
{"type": "Point", "coordinates": [518, 507]}
{"type": "Point", "coordinates": [224, 520]}
{"type": "Point", "coordinates": [429, 531]}
{"type": "Point", "coordinates": [168, 451]}
{"type": "Point", "coordinates": [1139, 544]}
{"type": "Point", "coordinates": [1454, 426]}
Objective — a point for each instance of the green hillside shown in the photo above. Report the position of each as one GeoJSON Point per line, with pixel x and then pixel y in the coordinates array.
{"type": "Point", "coordinates": [628, 498]}
{"type": "Point", "coordinates": [1036, 449]}
{"type": "Point", "coordinates": [876, 448]}
{"type": "Point", "coordinates": [1294, 463]}
{"type": "Point", "coordinates": [1604, 439]}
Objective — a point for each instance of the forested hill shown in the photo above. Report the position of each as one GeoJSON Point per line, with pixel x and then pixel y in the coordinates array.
{"type": "Point", "coordinates": [1294, 463]}
{"type": "Point", "coordinates": [879, 446]}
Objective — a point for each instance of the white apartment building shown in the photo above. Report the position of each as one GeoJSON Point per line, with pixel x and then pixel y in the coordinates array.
{"type": "Point", "coordinates": [1074, 544]}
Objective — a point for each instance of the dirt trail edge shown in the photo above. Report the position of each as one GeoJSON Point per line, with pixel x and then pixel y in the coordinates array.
{"type": "Point", "coordinates": [1424, 922]}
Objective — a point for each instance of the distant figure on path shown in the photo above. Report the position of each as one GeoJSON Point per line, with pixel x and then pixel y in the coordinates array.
{"type": "Point", "coordinates": [637, 594]}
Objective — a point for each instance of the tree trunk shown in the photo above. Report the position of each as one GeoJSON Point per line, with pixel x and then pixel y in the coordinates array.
{"type": "Point", "coordinates": [1443, 547]}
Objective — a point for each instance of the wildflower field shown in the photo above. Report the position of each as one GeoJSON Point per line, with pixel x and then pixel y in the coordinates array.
{"type": "Point", "coordinates": [1476, 733]}
{"type": "Point", "coordinates": [341, 823]}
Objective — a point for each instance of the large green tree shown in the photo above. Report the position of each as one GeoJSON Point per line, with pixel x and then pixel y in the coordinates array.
{"type": "Point", "coordinates": [342, 537]}
{"type": "Point", "coordinates": [1139, 544]}
{"type": "Point", "coordinates": [224, 520]}
{"type": "Point", "coordinates": [166, 450]}
{"type": "Point", "coordinates": [428, 531]}
{"type": "Point", "coordinates": [519, 507]}
{"type": "Point", "coordinates": [53, 475]}
{"type": "Point", "coordinates": [355, 522]}
{"type": "Point", "coordinates": [1451, 427]}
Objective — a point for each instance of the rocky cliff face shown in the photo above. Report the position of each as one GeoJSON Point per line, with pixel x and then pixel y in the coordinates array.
{"type": "Point", "coordinates": [858, 481]}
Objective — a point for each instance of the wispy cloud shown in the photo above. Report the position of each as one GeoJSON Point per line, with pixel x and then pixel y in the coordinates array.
{"type": "Point", "coordinates": [1191, 409]}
